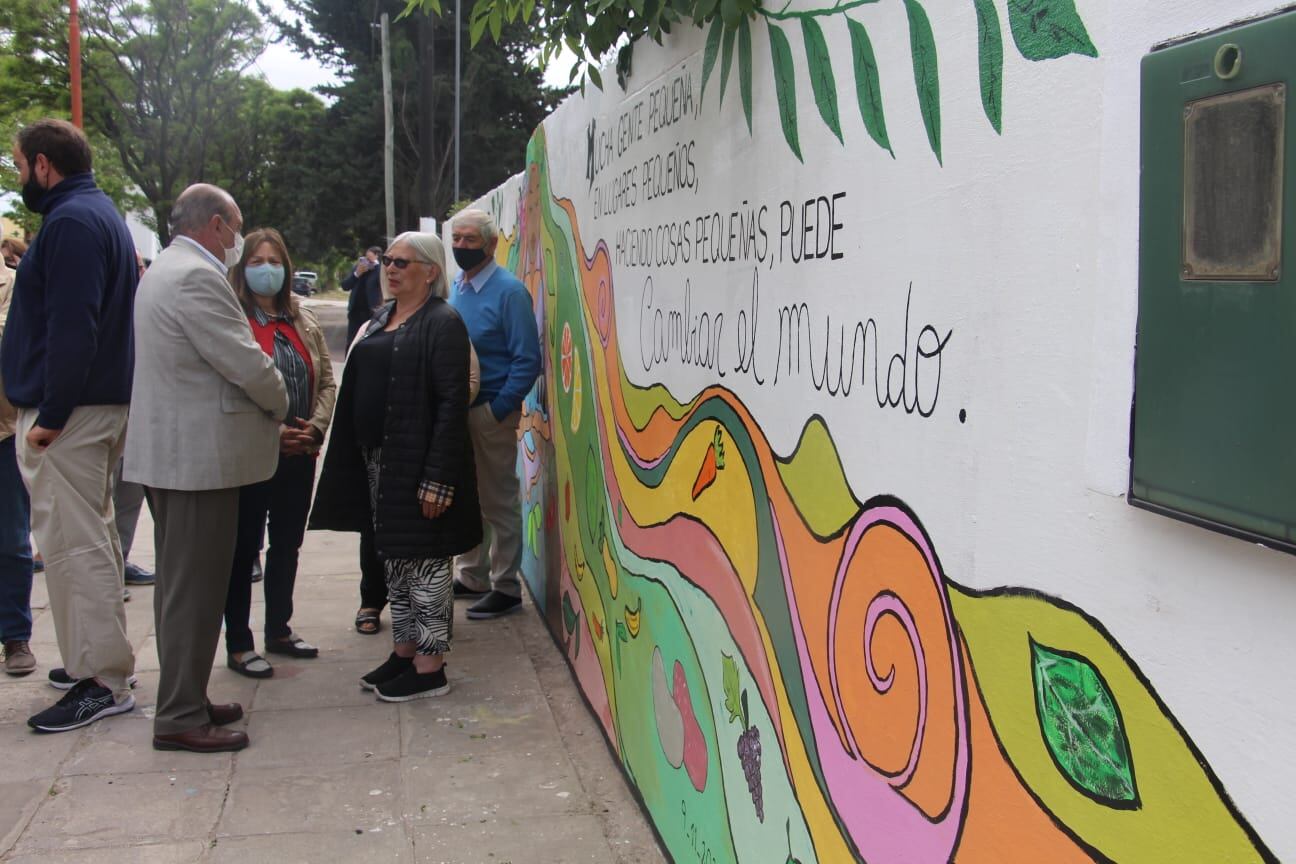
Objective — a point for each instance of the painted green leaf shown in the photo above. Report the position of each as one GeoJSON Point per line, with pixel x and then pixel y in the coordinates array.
{"type": "Point", "coordinates": [569, 613]}
{"type": "Point", "coordinates": [622, 636]}
{"type": "Point", "coordinates": [730, 680]}
{"type": "Point", "coordinates": [726, 58]}
{"type": "Point", "coordinates": [710, 54]}
{"type": "Point", "coordinates": [821, 75]}
{"type": "Point", "coordinates": [1082, 726]}
{"type": "Point", "coordinates": [785, 87]}
{"type": "Point", "coordinates": [922, 45]}
{"type": "Point", "coordinates": [745, 70]}
{"type": "Point", "coordinates": [868, 87]}
{"type": "Point", "coordinates": [1044, 29]}
{"type": "Point", "coordinates": [730, 13]}
{"type": "Point", "coordinates": [990, 44]}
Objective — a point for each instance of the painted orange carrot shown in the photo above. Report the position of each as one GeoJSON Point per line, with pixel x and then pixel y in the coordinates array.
{"type": "Point", "coordinates": [712, 463]}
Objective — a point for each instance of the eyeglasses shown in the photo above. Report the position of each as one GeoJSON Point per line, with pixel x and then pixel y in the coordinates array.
{"type": "Point", "coordinates": [399, 263]}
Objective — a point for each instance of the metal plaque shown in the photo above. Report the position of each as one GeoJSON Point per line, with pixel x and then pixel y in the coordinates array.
{"type": "Point", "coordinates": [1233, 185]}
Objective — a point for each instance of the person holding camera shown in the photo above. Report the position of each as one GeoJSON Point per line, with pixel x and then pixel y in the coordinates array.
{"type": "Point", "coordinates": [366, 292]}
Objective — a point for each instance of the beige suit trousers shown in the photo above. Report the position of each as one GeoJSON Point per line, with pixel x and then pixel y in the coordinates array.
{"type": "Point", "coordinates": [496, 562]}
{"type": "Point", "coordinates": [70, 484]}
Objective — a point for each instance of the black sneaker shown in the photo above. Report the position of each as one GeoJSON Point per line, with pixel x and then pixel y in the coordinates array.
{"type": "Point", "coordinates": [493, 605]}
{"type": "Point", "coordinates": [59, 679]}
{"type": "Point", "coordinates": [462, 591]}
{"type": "Point", "coordinates": [412, 684]}
{"type": "Point", "coordinates": [390, 670]}
{"type": "Point", "coordinates": [85, 703]}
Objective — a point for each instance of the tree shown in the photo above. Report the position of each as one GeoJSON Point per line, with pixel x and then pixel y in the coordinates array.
{"type": "Point", "coordinates": [504, 100]}
{"type": "Point", "coordinates": [34, 81]}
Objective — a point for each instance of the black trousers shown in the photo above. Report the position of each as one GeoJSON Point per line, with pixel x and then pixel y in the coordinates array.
{"type": "Point", "coordinates": [284, 500]}
{"type": "Point", "coordinates": [373, 579]}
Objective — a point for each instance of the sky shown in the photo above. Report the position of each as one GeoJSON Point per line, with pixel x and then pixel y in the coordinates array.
{"type": "Point", "coordinates": [286, 70]}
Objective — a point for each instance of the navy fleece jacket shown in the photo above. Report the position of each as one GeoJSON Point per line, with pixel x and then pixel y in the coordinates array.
{"type": "Point", "coordinates": [69, 339]}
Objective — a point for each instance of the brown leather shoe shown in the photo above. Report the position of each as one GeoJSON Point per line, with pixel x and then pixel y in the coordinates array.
{"type": "Point", "coordinates": [204, 739]}
{"type": "Point", "coordinates": [18, 659]}
{"type": "Point", "coordinates": [223, 715]}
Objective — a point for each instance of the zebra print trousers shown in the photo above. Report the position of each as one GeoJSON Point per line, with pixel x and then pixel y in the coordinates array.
{"type": "Point", "coordinates": [419, 590]}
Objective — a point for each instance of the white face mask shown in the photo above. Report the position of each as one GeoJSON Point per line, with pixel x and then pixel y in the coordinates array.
{"type": "Point", "coordinates": [235, 255]}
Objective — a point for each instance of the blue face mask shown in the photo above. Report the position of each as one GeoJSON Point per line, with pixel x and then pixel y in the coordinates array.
{"type": "Point", "coordinates": [264, 279]}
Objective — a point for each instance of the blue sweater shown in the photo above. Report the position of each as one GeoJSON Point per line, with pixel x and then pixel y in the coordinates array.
{"type": "Point", "coordinates": [502, 327]}
{"type": "Point", "coordinates": [69, 339]}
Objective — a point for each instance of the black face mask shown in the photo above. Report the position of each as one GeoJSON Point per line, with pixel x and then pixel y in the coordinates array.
{"type": "Point", "coordinates": [469, 258]}
{"type": "Point", "coordinates": [33, 193]}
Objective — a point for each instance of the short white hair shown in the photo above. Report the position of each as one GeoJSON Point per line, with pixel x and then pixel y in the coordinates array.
{"type": "Point", "coordinates": [430, 251]}
{"type": "Point", "coordinates": [479, 219]}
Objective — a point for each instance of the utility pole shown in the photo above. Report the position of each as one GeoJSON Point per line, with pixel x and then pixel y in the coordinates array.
{"type": "Point", "coordinates": [458, 38]}
{"type": "Point", "coordinates": [74, 61]}
{"type": "Point", "coordinates": [428, 162]}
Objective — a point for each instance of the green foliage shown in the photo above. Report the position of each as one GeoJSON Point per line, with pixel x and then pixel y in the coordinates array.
{"type": "Point", "coordinates": [1042, 29]}
{"type": "Point", "coordinates": [34, 80]}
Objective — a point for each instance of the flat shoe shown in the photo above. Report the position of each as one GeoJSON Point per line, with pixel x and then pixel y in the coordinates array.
{"type": "Point", "coordinates": [253, 666]}
{"type": "Point", "coordinates": [293, 646]}
{"type": "Point", "coordinates": [204, 739]}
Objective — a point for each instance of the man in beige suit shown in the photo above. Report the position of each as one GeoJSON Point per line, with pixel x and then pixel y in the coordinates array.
{"type": "Point", "coordinates": [204, 420]}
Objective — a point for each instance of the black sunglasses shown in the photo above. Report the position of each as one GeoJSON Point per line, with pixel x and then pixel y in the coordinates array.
{"type": "Point", "coordinates": [401, 263]}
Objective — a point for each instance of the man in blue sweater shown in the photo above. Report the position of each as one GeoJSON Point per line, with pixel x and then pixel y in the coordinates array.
{"type": "Point", "coordinates": [502, 326]}
{"type": "Point", "coordinates": [66, 362]}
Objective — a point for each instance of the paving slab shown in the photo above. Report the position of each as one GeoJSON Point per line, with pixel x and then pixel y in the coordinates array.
{"type": "Point", "coordinates": [380, 845]}
{"type": "Point", "coordinates": [190, 852]}
{"type": "Point", "coordinates": [307, 799]}
{"type": "Point", "coordinates": [516, 840]}
{"type": "Point", "coordinates": [119, 809]}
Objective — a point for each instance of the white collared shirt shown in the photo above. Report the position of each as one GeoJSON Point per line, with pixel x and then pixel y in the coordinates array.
{"type": "Point", "coordinates": [210, 257]}
{"type": "Point", "coordinates": [483, 276]}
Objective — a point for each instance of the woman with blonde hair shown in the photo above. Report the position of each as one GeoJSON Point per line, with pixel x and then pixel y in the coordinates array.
{"type": "Point", "coordinates": [291, 334]}
{"type": "Point", "coordinates": [400, 459]}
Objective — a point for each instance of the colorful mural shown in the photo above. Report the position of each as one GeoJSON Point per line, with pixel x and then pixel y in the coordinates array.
{"type": "Point", "coordinates": [783, 666]}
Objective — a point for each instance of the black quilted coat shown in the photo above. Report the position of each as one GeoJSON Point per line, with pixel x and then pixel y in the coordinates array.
{"type": "Point", "coordinates": [425, 437]}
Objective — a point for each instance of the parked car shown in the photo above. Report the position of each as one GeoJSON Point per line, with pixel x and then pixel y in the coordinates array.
{"type": "Point", "coordinates": [304, 282]}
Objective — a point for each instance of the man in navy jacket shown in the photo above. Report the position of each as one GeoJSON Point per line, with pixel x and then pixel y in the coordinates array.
{"type": "Point", "coordinates": [67, 360]}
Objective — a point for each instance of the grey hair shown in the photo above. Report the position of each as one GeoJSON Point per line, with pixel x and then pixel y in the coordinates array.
{"type": "Point", "coordinates": [197, 204]}
{"type": "Point", "coordinates": [479, 219]}
{"type": "Point", "coordinates": [430, 251]}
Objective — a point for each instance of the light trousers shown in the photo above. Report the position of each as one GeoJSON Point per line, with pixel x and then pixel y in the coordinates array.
{"type": "Point", "coordinates": [70, 484]}
{"type": "Point", "coordinates": [495, 563]}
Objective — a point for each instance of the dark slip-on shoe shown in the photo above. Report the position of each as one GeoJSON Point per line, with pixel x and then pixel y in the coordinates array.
{"type": "Point", "coordinates": [204, 739]}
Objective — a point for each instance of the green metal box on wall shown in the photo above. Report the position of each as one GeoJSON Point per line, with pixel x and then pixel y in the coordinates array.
{"type": "Point", "coordinates": [1214, 427]}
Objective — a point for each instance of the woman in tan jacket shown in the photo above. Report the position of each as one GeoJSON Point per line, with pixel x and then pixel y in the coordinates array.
{"type": "Point", "coordinates": [291, 335]}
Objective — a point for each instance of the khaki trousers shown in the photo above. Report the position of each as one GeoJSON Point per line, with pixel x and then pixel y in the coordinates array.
{"type": "Point", "coordinates": [70, 484]}
{"type": "Point", "coordinates": [194, 534]}
{"type": "Point", "coordinates": [495, 450]}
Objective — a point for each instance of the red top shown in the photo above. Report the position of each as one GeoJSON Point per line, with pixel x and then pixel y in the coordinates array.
{"type": "Point", "coordinates": [264, 334]}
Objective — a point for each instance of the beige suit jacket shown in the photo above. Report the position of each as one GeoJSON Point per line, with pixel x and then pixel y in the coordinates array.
{"type": "Point", "coordinates": [206, 401]}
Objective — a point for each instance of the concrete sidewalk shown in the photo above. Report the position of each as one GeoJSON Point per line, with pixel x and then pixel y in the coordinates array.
{"type": "Point", "coordinates": [509, 767]}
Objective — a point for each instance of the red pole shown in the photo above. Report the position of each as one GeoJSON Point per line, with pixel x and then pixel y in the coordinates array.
{"type": "Point", "coordinates": [74, 64]}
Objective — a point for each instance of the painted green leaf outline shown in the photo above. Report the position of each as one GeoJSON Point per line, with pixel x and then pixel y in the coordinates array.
{"type": "Point", "coordinates": [709, 55]}
{"type": "Point", "coordinates": [819, 63]}
{"type": "Point", "coordinates": [745, 70]}
{"type": "Point", "coordinates": [726, 59]}
{"type": "Point", "coordinates": [785, 87]}
{"type": "Point", "coordinates": [569, 613]}
{"type": "Point", "coordinates": [1047, 29]}
{"type": "Point", "coordinates": [990, 48]}
{"type": "Point", "coordinates": [1082, 726]}
{"type": "Point", "coordinates": [730, 679]}
{"type": "Point", "coordinates": [922, 45]}
{"type": "Point", "coordinates": [868, 86]}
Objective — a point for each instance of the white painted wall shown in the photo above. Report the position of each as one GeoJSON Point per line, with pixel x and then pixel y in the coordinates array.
{"type": "Point", "coordinates": [1025, 246]}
